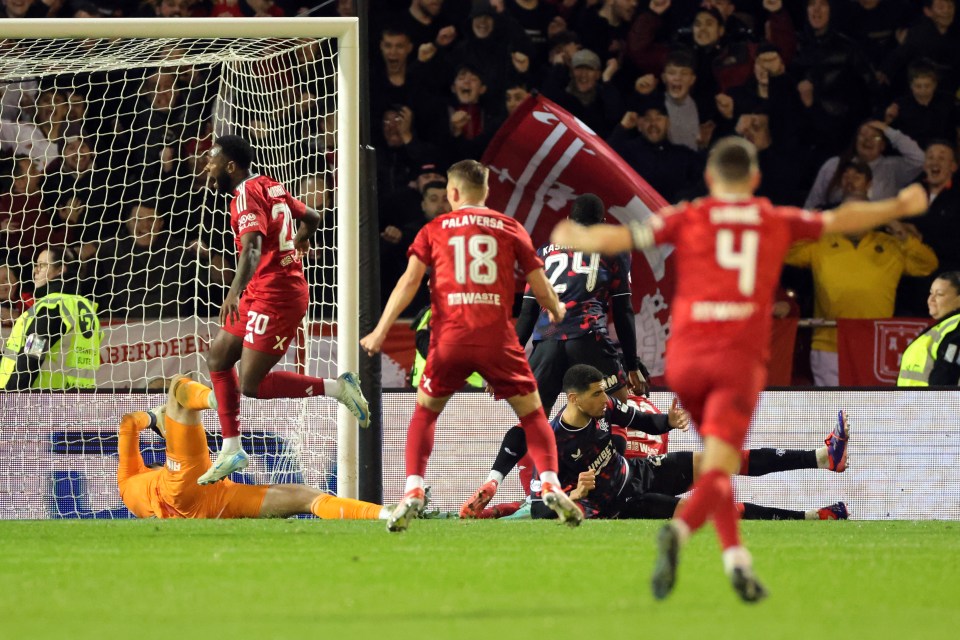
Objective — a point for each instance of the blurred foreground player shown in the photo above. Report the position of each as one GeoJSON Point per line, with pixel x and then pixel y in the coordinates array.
{"type": "Point", "coordinates": [472, 252]}
{"type": "Point", "coordinates": [257, 328]}
{"type": "Point", "coordinates": [172, 491]}
{"type": "Point", "coordinates": [730, 249]}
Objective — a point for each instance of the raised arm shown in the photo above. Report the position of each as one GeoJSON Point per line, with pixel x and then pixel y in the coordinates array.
{"type": "Point", "coordinates": [853, 217]}
{"type": "Point", "coordinates": [597, 238]}
{"type": "Point", "coordinates": [399, 300]}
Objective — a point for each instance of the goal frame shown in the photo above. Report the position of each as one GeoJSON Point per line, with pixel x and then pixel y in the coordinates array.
{"type": "Point", "coordinates": [346, 31]}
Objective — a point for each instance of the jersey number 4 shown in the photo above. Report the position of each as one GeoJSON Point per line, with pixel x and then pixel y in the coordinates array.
{"type": "Point", "coordinates": [743, 261]}
{"type": "Point", "coordinates": [483, 252]}
{"type": "Point", "coordinates": [286, 229]}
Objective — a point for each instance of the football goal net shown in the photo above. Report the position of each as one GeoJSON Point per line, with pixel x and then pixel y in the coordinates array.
{"type": "Point", "coordinates": [104, 131]}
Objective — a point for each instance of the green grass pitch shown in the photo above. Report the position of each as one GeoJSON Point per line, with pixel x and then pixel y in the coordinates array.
{"type": "Point", "coordinates": [466, 580]}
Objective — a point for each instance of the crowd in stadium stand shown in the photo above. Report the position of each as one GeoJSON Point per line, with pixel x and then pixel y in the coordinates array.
{"type": "Point", "coordinates": [845, 99]}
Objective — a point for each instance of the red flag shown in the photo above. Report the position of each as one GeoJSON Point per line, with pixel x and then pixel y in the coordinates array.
{"type": "Point", "coordinates": [869, 351]}
{"type": "Point", "coordinates": [541, 159]}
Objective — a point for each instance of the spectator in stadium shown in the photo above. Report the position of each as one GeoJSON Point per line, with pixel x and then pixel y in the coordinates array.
{"type": "Point", "coordinates": [603, 26]}
{"type": "Point", "coordinates": [669, 168]}
{"type": "Point", "coordinates": [934, 37]}
{"type": "Point", "coordinates": [939, 226]}
{"type": "Point", "coordinates": [390, 77]}
{"type": "Point", "coordinates": [856, 276]}
{"type": "Point", "coordinates": [41, 138]}
{"type": "Point", "coordinates": [20, 212]}
{"type": "Point", "coordinates": [24, 9]}
{"type": "Point", "coordinates": [55, 344]}
{"type": "Point", "coordinates": [472, 123]}
{"type": "Point", "coordinates": [586, 90]}
{"type": "Point", "coordinates": [171, 491]}
{"type": "Point", "coordinates": [836, 84]}
{"type": "Point", "coordinates": [404, 150]}
{"type": "Point", "coordinates": [923, 113]}
{"type": "Point", "coordinates": [425, 23]}
{"type": "Point", "coordinates": [690, 123]}
{"type": "Point", "coordinates": [144, 274]}
{"type": "Point", "coordinates": [770, 90]}
{"type": "Point", "coordinates": [516, 92]}
{"type": "Point", "coordinates": [890, 173]}
{"type": "Point", "coordinates": [874, 24]}
{"type": "Point", "coordinates": [781, 180]}
{"type": "Point", "coordinates": [591, 429]}
{"type": "Point", "coordinates": [12, 301]}
{"type": "Point", "coordinates": [933, 358]}
{"type": "Point", "coordinates": [540, 20]}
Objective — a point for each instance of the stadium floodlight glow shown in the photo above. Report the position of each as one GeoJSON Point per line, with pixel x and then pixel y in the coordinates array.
{"type": "Point", "coordinates": [108, 115]}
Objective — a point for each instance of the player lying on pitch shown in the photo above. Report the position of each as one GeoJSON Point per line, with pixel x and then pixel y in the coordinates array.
{"type": "Point", "coordinates": [172, 490]}
{"type": "Point", "coordinates": [592, 433]}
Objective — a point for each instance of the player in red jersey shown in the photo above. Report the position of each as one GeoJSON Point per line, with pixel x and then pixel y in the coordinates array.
{"type": "Point", "coordinates": [266, 302]}
{"type": "Point", "coordinates": [472, 253]}
{"type": "Point", "coordinates": [730, 248]}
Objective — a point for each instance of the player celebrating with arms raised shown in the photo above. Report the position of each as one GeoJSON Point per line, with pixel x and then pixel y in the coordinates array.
{"type": "Point", "coordinates": [472, 252]}
{"type": "Point", "coordinates": [730, 250]}
{"type": "Point", "coordinates": [266, 302]}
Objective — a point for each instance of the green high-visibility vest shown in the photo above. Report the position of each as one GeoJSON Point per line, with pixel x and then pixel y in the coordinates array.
{"type": "Point", "coordinates": [918, 358]}
{"type": "Point", "coordinates": [72, 361]}
{"type": "Point", "coordinates": [419, 362]}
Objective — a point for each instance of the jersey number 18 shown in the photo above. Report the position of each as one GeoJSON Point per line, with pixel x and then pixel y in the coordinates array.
{"type": "Point", "coordinates": [483, 252]}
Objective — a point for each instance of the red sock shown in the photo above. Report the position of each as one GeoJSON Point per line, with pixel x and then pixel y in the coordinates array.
{"type": "Point", "coordinates": [541, 444]}
{"type": "Point", "coordinates": [287, 384]}
{"type": "Point", "coordinates": [744, 463]}
{"type": "Point", "coordinates": [525, 470]}
{"type": "Point", "coordinates": [709, 492]}
{"type": "Point", "coordinates": [726, 518]}
{"type": "Point", "coordinates": [226, 387]}
{"type": "Point", "coordinates": [420, 434]}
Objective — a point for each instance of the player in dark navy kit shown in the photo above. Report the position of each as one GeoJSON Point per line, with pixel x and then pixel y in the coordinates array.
{"type": "Point", "coordinates": [589, 286]}
{"type": "Point", "coordinates": [591, 434]}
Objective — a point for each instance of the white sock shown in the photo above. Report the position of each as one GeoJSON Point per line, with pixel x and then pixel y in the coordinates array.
{"type": "Point", "coordinates": [823, 458]}
{"type": "Point", "coordinates": [384, 513]}
{"type": "Point", "coordinates": [736, 557]}
{"type": "Point", "coordinates": [551, 477]}
{"type": "Point", "coordinates": [331, 388]}
{"type": "Point", "coordinates": [413, 482]}
{"type": "Point", "coordinates": [682, 529]}
{"type": "Point", "coordinates": [231, 445]}
{"type": "Point", "coordinates": [496, 476]}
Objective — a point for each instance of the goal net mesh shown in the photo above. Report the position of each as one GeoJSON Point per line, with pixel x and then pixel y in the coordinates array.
{"type": "Point", "coordinates": [102, 149]}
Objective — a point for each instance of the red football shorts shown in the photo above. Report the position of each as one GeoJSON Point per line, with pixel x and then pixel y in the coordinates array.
{"type": "Point", "coordinates": [504, 367]}
{"type": "Point", "coordinates": [268, 326]}
{"type": "Point", "coordinates": [720, 391]}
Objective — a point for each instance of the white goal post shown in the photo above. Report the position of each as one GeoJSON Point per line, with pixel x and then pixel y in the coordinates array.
{"type": "Point", "coordinates": [263, 33]}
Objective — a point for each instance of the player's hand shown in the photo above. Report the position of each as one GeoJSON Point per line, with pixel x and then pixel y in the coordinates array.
{"type": "Point", "coordinates": [556, 315]}
{"type": "Point", "coordinates": [912, 201]}
{"type": "Point", "coordinates": [678, 418]}
{"type": "Point", "coordinates": [638, 384]}
{"type": "Point", "coordinates": [372, 343]}
{"type": "Point", "coordinates": [586, 482]}
{"type": "Point", "coordinates": [230, 311]}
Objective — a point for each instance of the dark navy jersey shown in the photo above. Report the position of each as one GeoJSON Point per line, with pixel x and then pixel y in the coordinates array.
{"type": "Point", "coordinates": [585, 283]}
{"type": "Point", "coordinates": [599, 446]}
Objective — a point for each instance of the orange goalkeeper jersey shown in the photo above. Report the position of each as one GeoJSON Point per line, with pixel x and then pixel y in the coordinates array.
{"type": "Point", "coordinates": [173, 492]}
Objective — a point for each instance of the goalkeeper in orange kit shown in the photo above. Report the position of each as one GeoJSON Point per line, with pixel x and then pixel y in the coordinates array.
{"type": "Point", "coordinates": [172, 491]}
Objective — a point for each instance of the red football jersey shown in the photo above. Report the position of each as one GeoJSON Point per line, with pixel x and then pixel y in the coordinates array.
{"type": "Point", "coordinates": [639, 443]}
{"type": "Point", "coordinates": [262, 205]}
{"type": "Point", "coordinates": [473, 253]}
{"type": "Point", "coordinates": [729, 257]}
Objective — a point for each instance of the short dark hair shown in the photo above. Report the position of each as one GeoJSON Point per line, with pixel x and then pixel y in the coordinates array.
{"type": "Point", "coordinates": [953, 277]}
{"type": "Point", "coordinates": [681, 57]}
{"type": "Point", "coordinates": [733, 159]}
{"type": "Point", "coordinates": [237, 149]}
{"type": "Point", "coordinates": [941, 142]}
{"type": "Point", "coordinates": [579, 377]}
{"type": "Point", "coordinates": [587, 209]}
{"type": "Point", "coordinates": [434, 184]}
{"type": "Point", "coordinates": [921, 68]}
